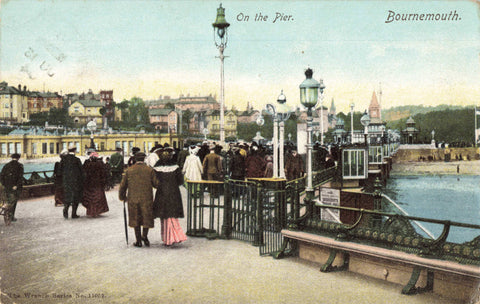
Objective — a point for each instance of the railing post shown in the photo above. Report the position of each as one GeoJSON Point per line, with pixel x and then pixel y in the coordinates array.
{"type": "Point", "coordinates": [227, 210]}
{"type": "Point", "coordinates": [258, 234]}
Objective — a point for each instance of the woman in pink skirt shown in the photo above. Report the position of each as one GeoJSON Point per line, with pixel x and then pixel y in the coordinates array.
{"type": "Point", "coordinates": [168, 205]}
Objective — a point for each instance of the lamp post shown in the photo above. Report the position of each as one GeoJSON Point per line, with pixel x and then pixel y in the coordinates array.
{"type": "Point", "coordinates": [365, 120]}
{"type": "Point", "coordinates": [352, 105]}
{"type": "Point", "coordinates": [280, 113]}
{"type": "Point", "coordinates": [309, 98]}
{"type": "Point", "coordinates": [284, 115]}
{"type": "Point", "coordinates": [220, 27]}
{"type": "Point", "coordinates": [92, 126]}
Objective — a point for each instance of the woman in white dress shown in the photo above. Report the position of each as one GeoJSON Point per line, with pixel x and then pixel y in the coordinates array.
{"type": "Point", "coordinates": [192, 169]}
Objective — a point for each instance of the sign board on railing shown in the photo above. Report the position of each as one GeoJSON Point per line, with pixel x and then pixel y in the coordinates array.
{"type": "Point", "coordinates": [329, 196]}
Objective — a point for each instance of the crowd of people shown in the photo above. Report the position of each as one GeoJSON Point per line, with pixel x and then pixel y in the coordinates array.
{"type": "Point", "coordinates": [138, 179]}
{"type": "Point", "coordinates": [149, 184]}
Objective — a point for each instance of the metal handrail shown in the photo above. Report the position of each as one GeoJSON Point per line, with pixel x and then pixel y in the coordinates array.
{"type": "Point", "coordinates": [405, 213]}
{"type": "Point", "coordinates": [409, 217]}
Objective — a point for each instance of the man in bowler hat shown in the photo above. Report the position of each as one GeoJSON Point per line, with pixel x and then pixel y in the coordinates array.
{"type": "Point", "coordinates": [73, 178]}
{"type": "Point", "coordinates": [136, 188]}
{"type": "Point", "coordinates": [11, 178]}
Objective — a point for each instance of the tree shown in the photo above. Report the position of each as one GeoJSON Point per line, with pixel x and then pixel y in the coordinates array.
{"type": "Point", "coordinates": [186, 117]}
{"type": "Point", "coordinates": [54, 117]}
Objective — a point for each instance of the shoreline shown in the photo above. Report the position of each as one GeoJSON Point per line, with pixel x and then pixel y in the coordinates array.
{"type": "Point", "coordinates": [436, 168]}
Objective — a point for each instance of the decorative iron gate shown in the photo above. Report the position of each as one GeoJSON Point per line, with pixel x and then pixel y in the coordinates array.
{"type": "Point", "coordinates": [255, 210]}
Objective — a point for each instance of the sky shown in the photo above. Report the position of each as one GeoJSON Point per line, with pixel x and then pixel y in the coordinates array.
{"type": "Point", "coordinates": [166, 48]}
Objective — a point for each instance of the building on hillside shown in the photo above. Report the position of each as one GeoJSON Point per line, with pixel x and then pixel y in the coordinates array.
{"type": "Point", "coordinates": [249, 116]}
{"type": "Point", "coordinates": [410, 133]}
{"type": "Point", "coordinates": [212, 120]}
{"type": "Point", "coordinates": [86, 106]}
{"type": "Point", "coordinates": [165, 120]}
{"type": "Point", "coordinates": [205, 115]}
{"type": "Point", "coordinates": [194, 104]}
{"type": "Point", "coordinates": [13, 103]}
{"type": "Point", "coordinates": [106, 99]}
{"type": "Point", "coordinates": [377, 127]}
{"type": "Point", "coordinates": [83, 111]}
{"type": "Point", "coordinates": [42, 102]}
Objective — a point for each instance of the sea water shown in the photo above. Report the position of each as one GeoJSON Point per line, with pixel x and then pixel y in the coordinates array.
{"type": "Point", "coordinates": [443, 197]}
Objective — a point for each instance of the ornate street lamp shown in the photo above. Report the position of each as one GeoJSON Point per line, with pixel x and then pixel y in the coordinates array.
{"type": "Point", "coordinates": [220, 29]}
{"type": "Point", "coordinates": [92, 126]}
{"type": "Point", "coordinates": [309, 98]}
{"type": "Point", "coordinates": [280, 113]}
{"type": "Point", "coordinates": [365, 120]}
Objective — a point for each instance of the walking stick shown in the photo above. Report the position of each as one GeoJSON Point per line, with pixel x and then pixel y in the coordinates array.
{"type": "Point", "coordinates": [125, 221]}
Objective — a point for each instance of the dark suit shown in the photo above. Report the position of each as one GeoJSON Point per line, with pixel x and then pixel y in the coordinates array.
{"type": "Point", "coordinates": [11, 178]}
{"type": "Point", "coordinates": [72, 178]}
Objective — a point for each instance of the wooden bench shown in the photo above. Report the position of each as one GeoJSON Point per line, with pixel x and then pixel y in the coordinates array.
{"type": "Point", "coordinates": [447, 278]}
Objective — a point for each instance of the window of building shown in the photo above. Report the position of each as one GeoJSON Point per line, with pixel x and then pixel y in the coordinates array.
{"type": "Point", "coordinates": [11, 147]}
{"type": "Point", "coordinates": [77, 145]}
{"type": "Point", "coordinates": [18, 148]}
{"type": "Point", "coordinates": [354, 164]}
{"type": "Point", "coordinates": [4, 149]}
{"type": "Point", "coordinates": [375, 154]}
{"type": "Point", "coordinates": [34, 148]}
{"type": "Point", "coordinates": [44, 148]}
{"type": "Point", "coordinates": [76, 109]}
{"type": "Point", "coordinates": [6, 105]}
{"type": "Point", "coordinates": [102, 146]}
{"type": "Point", "coordinates": [52, 148]}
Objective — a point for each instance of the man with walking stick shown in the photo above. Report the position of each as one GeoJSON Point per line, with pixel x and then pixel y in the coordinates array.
{"type": "Point", "coordinates": [136, 189]}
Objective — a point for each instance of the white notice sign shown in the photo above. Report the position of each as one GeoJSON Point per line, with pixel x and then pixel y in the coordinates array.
{"type": "Point", "coordinates": [329, 196]}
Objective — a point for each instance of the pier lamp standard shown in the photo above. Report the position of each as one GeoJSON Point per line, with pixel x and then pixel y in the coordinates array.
{"type": "Point", "coordinates": [280, 113]}
{"type": "Point", "coordinates": [309, 98]}
{"type": "Point", "coordinates": [92, 126]}
{"type": "Point", "coordinates": [220, 29]}
{"type": "Point", "coordinates": [352, 105]}
{"type": "Point", "coordinates": [365, 120]}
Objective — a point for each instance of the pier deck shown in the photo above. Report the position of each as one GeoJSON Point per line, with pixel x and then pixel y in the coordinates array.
{"type": "Point", "coordinates": [86, 260]}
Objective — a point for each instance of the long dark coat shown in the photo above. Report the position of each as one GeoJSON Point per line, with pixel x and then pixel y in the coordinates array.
{"type": "Point", "coordinates": [12, 175]}
{"type": "Point", "coordinates": [168, 200]}
{"type": "Point", "coordinates": [58, 182]}
{"type": "Point", "coordinates": [294, 167]}
{"type": "Point", "coordinates": [136, 188]}
{"type": "Point", "coordinates": [237, 166]}
{"type": "Point", "coordinates": [255, 166]}
{"type": "Point", "coordinates": [94, 198]}
{"type": "Point", "coordinates": [72, 178]}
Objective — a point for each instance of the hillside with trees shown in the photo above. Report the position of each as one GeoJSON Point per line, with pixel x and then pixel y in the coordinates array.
{"type": "Point", "coordinates": [452, 125]}
{"type": "Point", "coordinates": [397, 113]}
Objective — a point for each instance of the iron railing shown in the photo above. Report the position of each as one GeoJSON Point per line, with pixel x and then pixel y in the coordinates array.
{"type": "Point", "coordinates": [397, 232]}
{"type": "Point", "coordinates": [255, 210]}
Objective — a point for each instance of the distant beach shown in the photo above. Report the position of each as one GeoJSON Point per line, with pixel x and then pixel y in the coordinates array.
{"type": "Point", "coordinates": [437, 168]}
